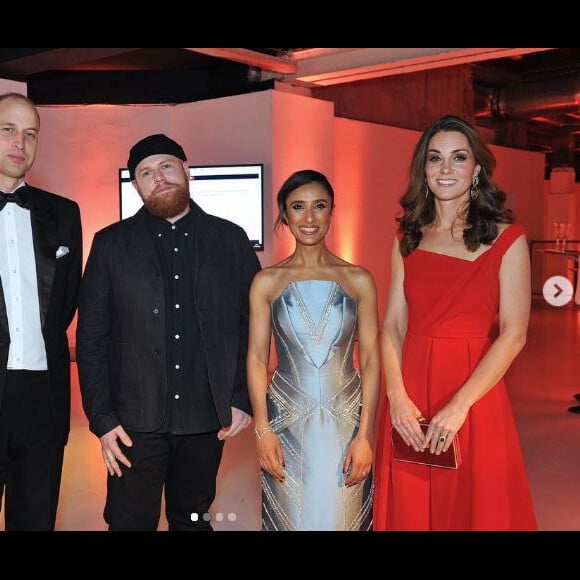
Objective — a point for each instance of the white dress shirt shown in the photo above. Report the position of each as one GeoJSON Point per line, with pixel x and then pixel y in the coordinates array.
{"type": "Point", "coordinates": [19, 283]}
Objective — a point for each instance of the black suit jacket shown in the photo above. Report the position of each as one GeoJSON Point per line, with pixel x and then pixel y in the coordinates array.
{"type": "Point", "coordinates": [121, 332]}
{"type": "Point", "coordinates": [55, 222]}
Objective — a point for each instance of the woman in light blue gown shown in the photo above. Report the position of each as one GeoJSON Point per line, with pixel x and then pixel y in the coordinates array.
{"type": "Point", "coordinates": [314, 419]}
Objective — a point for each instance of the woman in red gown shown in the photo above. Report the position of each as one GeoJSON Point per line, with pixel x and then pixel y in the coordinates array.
{"type": "Point", "coordinates": [457, 316]}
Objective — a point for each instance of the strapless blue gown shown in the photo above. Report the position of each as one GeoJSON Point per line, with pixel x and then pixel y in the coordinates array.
{"type": "Point", "coordinates": [314, 403]}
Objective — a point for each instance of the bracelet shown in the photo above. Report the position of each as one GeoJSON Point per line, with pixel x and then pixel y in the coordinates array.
{"type": "Point", "coordinates": [261, 431]}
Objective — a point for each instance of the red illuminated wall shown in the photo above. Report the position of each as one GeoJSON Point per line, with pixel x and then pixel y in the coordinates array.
{"type": "Point", "coordinates": [82, 148]}
{"type": "Point", "coordinates": [371, 169]}
{"type": "Point", "coordinates": [302, 138]}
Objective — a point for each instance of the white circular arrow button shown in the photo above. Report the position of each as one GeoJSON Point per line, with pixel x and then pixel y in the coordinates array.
{"type": "Point", "coordinates": [558, 291]}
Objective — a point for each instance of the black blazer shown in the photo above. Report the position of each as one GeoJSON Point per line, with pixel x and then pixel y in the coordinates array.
{"type": "Point", "coordinates": [56, 223]}
{"type": "Point", "coordinates": [121, 330]}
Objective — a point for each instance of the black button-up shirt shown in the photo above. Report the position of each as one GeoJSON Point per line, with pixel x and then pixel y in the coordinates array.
{"type": "Point", "coordinates": [189, 407]}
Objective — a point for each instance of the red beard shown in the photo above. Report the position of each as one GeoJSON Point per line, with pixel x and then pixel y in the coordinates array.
{"type": "Point", "coordinates": [168, 204]}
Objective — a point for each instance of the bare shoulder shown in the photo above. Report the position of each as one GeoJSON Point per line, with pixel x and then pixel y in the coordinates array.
{"type": "Point", "coordinates": [265, 280]}
{"type": "Point", "coordinates": [358, 281]}
{"type": "Point", "coordinates": [271, 281]}
{"type": "Point", "coordinates": [269, 275]}
{"type": "Point", "coordinates": [361, 275]}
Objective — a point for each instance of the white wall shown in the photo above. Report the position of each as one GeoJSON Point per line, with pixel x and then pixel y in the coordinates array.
{"type": "Point", "coordinates": [82, 148]}
{"type": "Point", "coordinates": [80, 152]}
{"type": "Point", "coordinates": [7, 86]}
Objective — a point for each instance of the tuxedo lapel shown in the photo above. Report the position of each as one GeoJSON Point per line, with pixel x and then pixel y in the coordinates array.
{"type": "Point", "coordinates": [44, 236]}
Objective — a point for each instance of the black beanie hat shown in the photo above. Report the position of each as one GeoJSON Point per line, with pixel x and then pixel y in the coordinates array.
{"type": "Point", "coordinates": [153, 145]}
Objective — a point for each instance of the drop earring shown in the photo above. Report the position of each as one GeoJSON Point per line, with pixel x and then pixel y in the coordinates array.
{"type": "Point", "coordinates": [473, 192]}
{"type": "Point", "coordinates": [426, 191]}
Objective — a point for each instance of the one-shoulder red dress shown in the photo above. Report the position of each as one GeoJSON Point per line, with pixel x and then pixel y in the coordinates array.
{"type": "Point", "coordinates": [452, 313]}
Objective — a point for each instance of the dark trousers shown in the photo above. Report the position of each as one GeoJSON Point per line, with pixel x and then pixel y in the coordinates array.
{"type": "Point", "coordinates": [30, 452]}
{"type": "Point", "coordinates": [186, 465]}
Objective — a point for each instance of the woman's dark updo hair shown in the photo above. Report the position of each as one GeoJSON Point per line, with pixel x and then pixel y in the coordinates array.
{"type": "Point", "coordinates": [483, 213]}
{"type": "Point", "coordinates": [296, 180]}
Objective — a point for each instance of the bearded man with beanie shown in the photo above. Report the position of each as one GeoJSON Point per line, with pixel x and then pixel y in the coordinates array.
{"type": "Point", "coordinates": [161, 346]}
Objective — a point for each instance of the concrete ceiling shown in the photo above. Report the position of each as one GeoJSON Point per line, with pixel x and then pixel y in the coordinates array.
{"type": "Point", "coordinates": [539, 88]}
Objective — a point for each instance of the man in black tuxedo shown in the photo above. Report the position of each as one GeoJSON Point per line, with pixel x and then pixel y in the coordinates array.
{"type": "Point", "coordinates": [40, 270]}
{"type": "Point", "coordinates": [161, 343]}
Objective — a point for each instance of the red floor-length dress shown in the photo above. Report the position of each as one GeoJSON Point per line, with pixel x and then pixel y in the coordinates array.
{"type": "Point", "coordinates": [453, 305]}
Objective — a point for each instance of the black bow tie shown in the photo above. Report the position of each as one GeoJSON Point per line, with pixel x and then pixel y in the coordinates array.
{"type": "Point", "coordinates": [13, 198]}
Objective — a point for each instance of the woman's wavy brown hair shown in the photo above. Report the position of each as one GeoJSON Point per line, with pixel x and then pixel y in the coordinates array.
{"type": "Point", "coordinates": [483, 213]}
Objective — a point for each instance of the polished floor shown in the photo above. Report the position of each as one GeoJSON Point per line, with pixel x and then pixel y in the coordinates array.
{"type": "Point", "coordinates": [541, 382]}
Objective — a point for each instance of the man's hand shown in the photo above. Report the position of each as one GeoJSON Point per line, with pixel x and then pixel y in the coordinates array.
{"type": "Point", "coordinates": [240, 421]}
{"type": "Point", "coordinates": [111, 451]}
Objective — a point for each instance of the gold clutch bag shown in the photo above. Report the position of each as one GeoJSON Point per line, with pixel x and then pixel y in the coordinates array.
{"type": "Point", "coordinates": [450, 459]}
